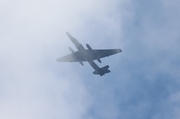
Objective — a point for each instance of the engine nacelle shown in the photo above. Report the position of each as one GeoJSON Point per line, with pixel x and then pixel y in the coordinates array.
{"type": "Point", "coordinates": [88, 46]}
{"type": "Point", "coordinates": [72, 51]}
{"type": "Point", "coordinates": [81, 63]}
{"type": "Point", "coordinates": [98, 59]}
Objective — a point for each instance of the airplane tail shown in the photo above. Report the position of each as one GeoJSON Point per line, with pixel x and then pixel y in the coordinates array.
{"type": "Point", "coordinates": [102, 71]}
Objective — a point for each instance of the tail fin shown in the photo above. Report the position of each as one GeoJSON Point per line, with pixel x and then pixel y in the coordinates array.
{"type": "Point", "coordinates": [102, 71]}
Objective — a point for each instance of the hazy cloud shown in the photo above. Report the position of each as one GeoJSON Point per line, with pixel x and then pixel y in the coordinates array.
{"type": "Point", "coordinates": [144, 82]}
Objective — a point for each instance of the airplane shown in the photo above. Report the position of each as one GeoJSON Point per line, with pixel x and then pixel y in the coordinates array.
{"type": "Point", "coordinates": [88, 55]}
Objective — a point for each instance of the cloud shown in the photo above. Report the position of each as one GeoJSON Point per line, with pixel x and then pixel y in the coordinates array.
{"type": "Point", "coordinates": [32, 83]}
{"type": "Point", "coordinates": [144, 82]}
{"type": "Point", "coordinates": [146, 72]}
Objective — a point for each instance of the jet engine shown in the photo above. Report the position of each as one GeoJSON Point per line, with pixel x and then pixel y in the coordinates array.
{"type": "Point", "coordinates": [88, 46]}
{"type": "Point", "coordinates": [98, 59]}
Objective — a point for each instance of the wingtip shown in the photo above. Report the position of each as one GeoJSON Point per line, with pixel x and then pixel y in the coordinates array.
{"type": "Point", "coordinates": [68, 34]}
{"type": "Point", "coordinates": [119, 50]}
{"type": "Point", "coordinates": [58, 60]}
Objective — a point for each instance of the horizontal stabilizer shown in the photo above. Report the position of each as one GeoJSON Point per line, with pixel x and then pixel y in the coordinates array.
{"type": "Point", "coordinates": [105, 67]}
{"type": "Point", "coordinates": [102, 71]}
{"type": "Point", "coordinates": [95, 73]}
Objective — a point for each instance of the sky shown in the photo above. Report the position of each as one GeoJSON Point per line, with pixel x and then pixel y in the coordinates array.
{"type": "Point", "coordinates": [144, 82]}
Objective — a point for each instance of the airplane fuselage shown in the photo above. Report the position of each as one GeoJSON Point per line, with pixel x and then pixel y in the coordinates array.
{"type": "Point", "coordinates": [82, 51]}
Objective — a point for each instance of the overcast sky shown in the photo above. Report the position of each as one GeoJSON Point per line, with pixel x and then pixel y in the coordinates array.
{"type": "Point", "coordinates": [144, 82]}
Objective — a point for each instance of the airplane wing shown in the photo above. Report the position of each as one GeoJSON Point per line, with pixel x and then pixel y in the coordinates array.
{"type": "Point", "coordinates": [104, 53]}
{"type": "Point", "coordinates": [74, 57]}
{"type": "Point", "coordinates": [75, 42]}
{"type": "Point", "coordinates": [95, 54]}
